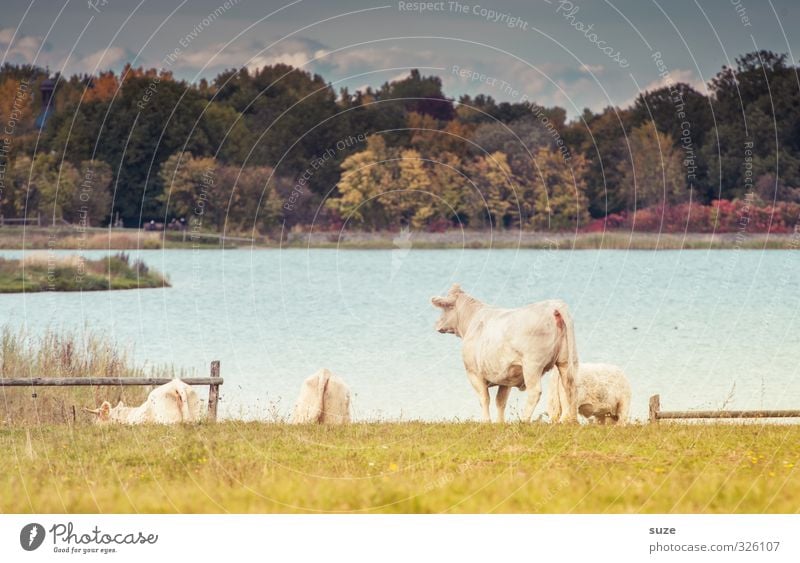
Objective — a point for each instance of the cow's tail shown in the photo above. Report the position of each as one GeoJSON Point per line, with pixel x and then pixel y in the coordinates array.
{"type": "Point", "coordinates": [567, 364]}
{"type": "Point", "coordinates": [322, 383]}
{"type": "Point", "coordinates": [183, 402]}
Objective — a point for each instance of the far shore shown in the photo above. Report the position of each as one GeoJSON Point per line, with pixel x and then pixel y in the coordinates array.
{"type": "Point", "coordinates": [68, 238]}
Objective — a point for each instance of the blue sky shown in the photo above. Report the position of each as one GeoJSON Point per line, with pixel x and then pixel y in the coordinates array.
{"type": "Point", "coordinates": [540, 49]}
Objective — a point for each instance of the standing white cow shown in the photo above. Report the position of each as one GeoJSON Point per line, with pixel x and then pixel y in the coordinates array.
{"type": "Point", "coordinates": [603, 392]}
{"type": "Point", "coordinates": [512, 348]}
{"type": "Point", "coordinates": [167, 404]}
{"type": "Point", "coordinates": [324, 398]}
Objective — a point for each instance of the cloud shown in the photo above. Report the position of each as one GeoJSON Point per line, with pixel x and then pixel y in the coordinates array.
{"type": "Point", "coordinates": [251, 54]}
{"type": "Point", "coordinates": [22, 50]}
{"type": "Point", "coordinates": [102, 60]}
{"type": "Point", "coordinates": [674, 77]}
{"type": "Point", "coordinates": [593, 69]}
{"type": "Point", "coordinates": [30, 49]}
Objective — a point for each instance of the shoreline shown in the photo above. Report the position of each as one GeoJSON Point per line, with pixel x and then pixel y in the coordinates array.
{"type": "Point", "coordinates": [34, 238]}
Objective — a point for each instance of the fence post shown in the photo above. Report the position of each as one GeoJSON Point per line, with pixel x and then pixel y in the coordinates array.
{"type": "Point", "coordinates": [213, 393]}
{"type": "Point", "coordinates": [655, 406]}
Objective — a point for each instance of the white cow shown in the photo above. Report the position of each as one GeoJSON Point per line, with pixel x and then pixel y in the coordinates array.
{"type": "Point", "coordinates": [603, 392]}
{"type": "Point", "coordinates": [324, 398]}
{"type": "Point", "coordinates": [512, 348]}
{"type": "Point", "coordinates": [167, 404]}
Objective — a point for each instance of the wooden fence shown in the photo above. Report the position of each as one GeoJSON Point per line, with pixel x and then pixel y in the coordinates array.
{"type": "Point", "coordinates": [213, 382]}
{"type": "Point", "coordinates": [657, 414]}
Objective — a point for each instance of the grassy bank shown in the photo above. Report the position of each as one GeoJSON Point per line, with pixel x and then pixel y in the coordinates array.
{"type": "Point", "coordinates": [402, 467]}
{"type": "Point", "coordinates": [129, 239]}
{"type": "Point", "coordinates": [48, 272]}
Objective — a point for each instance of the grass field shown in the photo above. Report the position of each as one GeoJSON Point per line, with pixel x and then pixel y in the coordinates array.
{"type": "Point", "coordinates": [400, 467]}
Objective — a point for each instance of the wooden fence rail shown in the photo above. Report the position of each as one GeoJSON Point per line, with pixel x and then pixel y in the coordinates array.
{"type": "Point", "coordinates": [657, 414]}
{"type": "Point", "coordinates": [213, 382]}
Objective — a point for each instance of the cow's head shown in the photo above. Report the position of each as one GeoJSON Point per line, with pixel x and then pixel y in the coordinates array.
{"type": "Point", "coordinates": [105, 413]}
{"type": "Point", "coordinates": [448, 322]}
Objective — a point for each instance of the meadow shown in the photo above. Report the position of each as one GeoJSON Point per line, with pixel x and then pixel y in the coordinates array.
{"type": "Point", "coordinates": [408, 467]}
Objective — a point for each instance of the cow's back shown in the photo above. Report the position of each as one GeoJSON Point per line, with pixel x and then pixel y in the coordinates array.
{"type": "Point", "coordinates": [173, 402]}
{"type": "Point", "coordinates": [498, 338]}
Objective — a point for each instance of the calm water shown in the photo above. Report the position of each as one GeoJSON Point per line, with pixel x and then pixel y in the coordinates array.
{"type": "Point", "coordinates": [697, 327]}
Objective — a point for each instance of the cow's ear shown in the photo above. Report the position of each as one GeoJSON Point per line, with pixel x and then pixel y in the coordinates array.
{"type": "Point", "coordinates": [455, 289]}
{"type": "Point", "coordinates": [442, 302]}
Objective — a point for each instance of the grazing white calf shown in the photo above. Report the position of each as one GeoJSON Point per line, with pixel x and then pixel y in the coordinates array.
{"type": "Point", "coordinates": [603, 392]}
{"type": "Point", "coordinates": [512, 348]}
{"type": "Point", "coordinates": [324, 398]}
{"type": "Point", "coordinates": [167, 404]}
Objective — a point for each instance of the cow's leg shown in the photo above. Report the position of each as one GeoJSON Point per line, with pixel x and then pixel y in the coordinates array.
{"type": "Point", "coordinates": [501, 399]}
{"type": "Point", "coordinates": [532, 373]}
{"type": "Point", "coordinates": [481, 387]}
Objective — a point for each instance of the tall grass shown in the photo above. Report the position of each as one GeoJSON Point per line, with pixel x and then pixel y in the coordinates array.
{"type": "Point", "coordinates": [64, 355]}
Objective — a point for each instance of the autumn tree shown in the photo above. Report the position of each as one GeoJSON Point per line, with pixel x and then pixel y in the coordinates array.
{"type": "Point", "coordinates": [497, 197]}
{"type": "Point", "coordinates": [559, 193]}
{"type": "Point", "coordinates": [43, 185]}
{"type": "Point", "coordinates": [365, 176]}
{"type": "Point", "coordinates": [655, 173]}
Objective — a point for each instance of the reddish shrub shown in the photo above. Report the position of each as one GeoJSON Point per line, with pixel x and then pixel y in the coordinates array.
{"type": "Point", "coordinates": [722, 216]}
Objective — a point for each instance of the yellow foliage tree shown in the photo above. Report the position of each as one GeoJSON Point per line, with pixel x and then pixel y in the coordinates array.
{"type": "Point", "coordinates": [559, 191]}
{"type": "Point", "coordinates": [497, 198]}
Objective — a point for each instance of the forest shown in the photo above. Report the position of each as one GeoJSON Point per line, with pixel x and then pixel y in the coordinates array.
{"type": "Point", "coordinates": [258, 150]}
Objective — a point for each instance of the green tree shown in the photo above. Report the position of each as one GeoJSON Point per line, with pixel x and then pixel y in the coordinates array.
{"type": "Point", "coordinates": [191, 189]}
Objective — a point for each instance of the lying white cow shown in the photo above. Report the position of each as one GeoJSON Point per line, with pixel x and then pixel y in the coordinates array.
{"type": "Point", "coordinates": [324, 398]}
{"type": "Point", "coordinates": [512, 348]}
{"type": "Point", "coordinates": [603, 392]}
{"type": "Point", "coordinates": [170, 403]}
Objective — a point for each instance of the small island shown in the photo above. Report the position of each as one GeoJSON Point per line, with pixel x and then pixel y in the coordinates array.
{"type": "Point", "coordinates": [48, 272]}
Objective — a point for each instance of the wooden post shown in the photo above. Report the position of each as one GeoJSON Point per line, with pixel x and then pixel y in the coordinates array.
{"type": "Point", "coordinates": [655, 406]}
{"type": "Point", "coordinates": [213, 393]}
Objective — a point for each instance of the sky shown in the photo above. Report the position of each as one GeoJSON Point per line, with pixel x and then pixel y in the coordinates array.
{"type": "Point", "coordinates": [574, 54]}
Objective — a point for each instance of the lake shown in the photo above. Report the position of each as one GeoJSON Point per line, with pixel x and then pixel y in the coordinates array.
{"type": "Point", "coordinates": [702, 328]}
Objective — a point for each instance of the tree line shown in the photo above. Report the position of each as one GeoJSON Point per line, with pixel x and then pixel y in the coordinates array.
{"type": "Point", "coordinates": [278, 146]}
